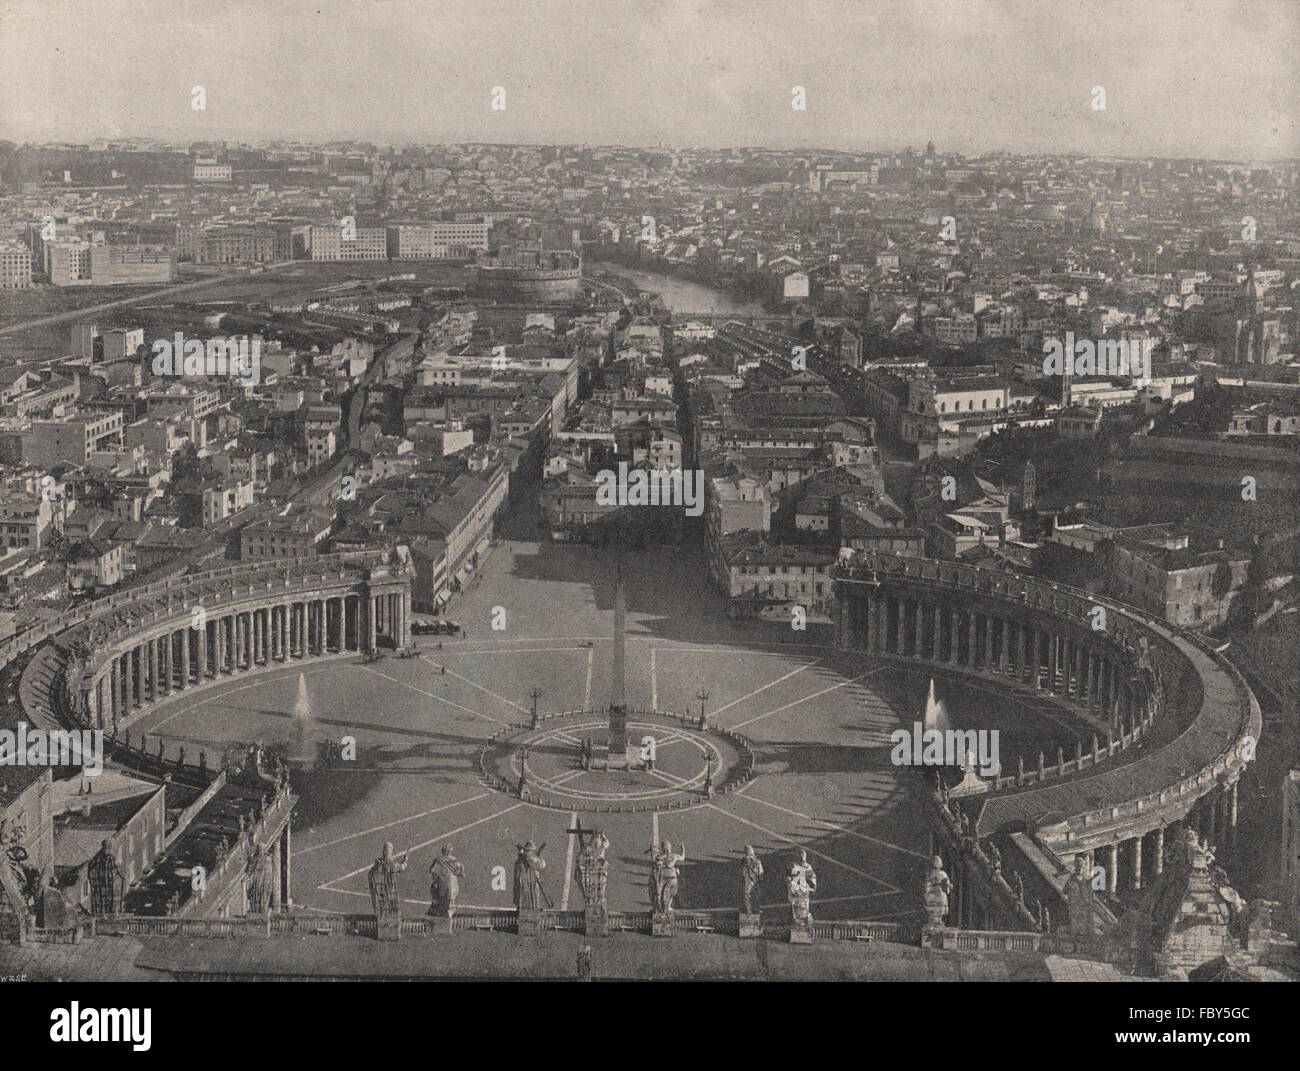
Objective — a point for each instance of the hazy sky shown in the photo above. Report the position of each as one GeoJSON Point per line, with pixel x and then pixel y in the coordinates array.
{"type": "Point", "coordinates": [1181, 77]}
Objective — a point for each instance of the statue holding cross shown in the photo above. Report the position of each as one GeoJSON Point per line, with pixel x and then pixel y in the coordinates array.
{"type": "Point", "coordinates": [592, 868]}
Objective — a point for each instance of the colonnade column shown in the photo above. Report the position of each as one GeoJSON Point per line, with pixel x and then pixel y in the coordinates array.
{"type": "Point", "coordinates": [136, 661]}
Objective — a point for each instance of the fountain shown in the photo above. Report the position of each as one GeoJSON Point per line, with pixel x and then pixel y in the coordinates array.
{"type": "Point", "coordinates": [936, 716]}
{"type": "Point", "coordinates": [303, 751]}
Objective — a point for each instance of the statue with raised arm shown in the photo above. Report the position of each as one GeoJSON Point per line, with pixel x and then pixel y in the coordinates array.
{"type": "Point", "coordinates": [444, 882]}
{"type": "Point", "coordinates": [384, 895]}
{"type": "Point", "coordinates": [664, 877]}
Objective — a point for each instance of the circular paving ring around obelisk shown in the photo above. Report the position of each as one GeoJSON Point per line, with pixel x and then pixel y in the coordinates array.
{"type": "Point", "coordinates": [665, 767]}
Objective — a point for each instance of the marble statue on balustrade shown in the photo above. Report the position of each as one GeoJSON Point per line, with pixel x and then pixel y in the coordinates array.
{"type": "Point", "coordinates": [751, 872]}
{"type": "Point", "coordinates": [800, 885]}
{"type": "Point", "coordinates": [592, 869]}
{"type": "Point", "coordinates": [1081, 897]}
{"type": "Point", "coordinates": [935, 890]}
{"type": "Point", "coordinates": [28, 880]}
{"type": "Point", "coordinates": [664, 877]}
{"type": "Point", "coordinates": [107, 882]}
{"type": "Point", "coordinates": [57, 912]}
{"type": "Point", "coordinates": [260, 879]}
{"type": "Point", "coordinates": [444, 883]}
{"type": "Point", "coordinates": [385, 898]}
{"type": "Point", "coordinates": [529, 864]}
{"type": "Point", "coordinates": [1196, 852]}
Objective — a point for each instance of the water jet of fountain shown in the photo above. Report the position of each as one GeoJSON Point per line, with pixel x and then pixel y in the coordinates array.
{"type": "Point", "coordinates": [302, 719]}
{"type": "Point", "coordinates": [936, 716]}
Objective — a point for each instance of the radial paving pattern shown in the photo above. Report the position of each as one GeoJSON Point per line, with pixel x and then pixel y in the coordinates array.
{"type": "Point", "coordinates": [819, 726]}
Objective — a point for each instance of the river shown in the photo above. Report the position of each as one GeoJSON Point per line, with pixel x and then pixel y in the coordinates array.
{"type": "Point", "coordinates": [682, 295]}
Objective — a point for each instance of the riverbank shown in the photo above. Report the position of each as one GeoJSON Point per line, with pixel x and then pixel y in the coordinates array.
{"type": "Point", "coordinates": [681, 295]}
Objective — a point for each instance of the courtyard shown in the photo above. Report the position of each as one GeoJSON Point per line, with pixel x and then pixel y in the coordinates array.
{"type": "Point", "coordinates": [818, 722]}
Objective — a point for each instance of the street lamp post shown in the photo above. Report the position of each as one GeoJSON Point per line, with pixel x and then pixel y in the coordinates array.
{"type": "Point", "coordinates": [535, 695]}
{"type": "Point", "coordinates": [702, 695]}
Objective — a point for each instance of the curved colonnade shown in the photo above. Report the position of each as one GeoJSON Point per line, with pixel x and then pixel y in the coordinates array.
{"type": "Point", "coordinates": [1120, 671]}
{"type": "Point", "coordinates": [124, 652]}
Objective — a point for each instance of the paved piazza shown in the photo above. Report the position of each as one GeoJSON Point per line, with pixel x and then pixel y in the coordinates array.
{"type": "Point", "coordinates": [818, 722]}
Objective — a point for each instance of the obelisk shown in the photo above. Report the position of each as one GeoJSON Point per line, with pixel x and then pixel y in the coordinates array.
{"type": "Point", "coordinates": [617, 741]}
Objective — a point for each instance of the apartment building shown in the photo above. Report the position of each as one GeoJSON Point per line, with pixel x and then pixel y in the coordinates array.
{"type": "Point", "coordinates": [26, 522]}
{"type": "Point", "coordinates": [292, 534]}
{"type": "Point", "coordinates": [321, 445]}
{"type": "Point", "coordinates": [329, 243]}
{"type": "Point", "coordinates": [236, 245]}
{"type": "Point", "coordinates": [763, 573]}
{"type": "Point", "coordinates": [121, 343]}
{"type": "Point", "coordinates": [1184, 585]}
{"type": "Point", "coordinates": [72, 438]}
{"type": "Point", "coordinates": [35, 393]}
{"type": "Point", "coordinates": [211, 171]}
{"type": "Point", "coordinates": [15, 266]}
{"type": "Point", "coordinates": [224, 500]}
{"type": "Point", "coordinates": [473, 236]}
{"type": "Point", "coordinates": [68, 262]}
{"type": "Point", "coordinates": [429, 585]}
